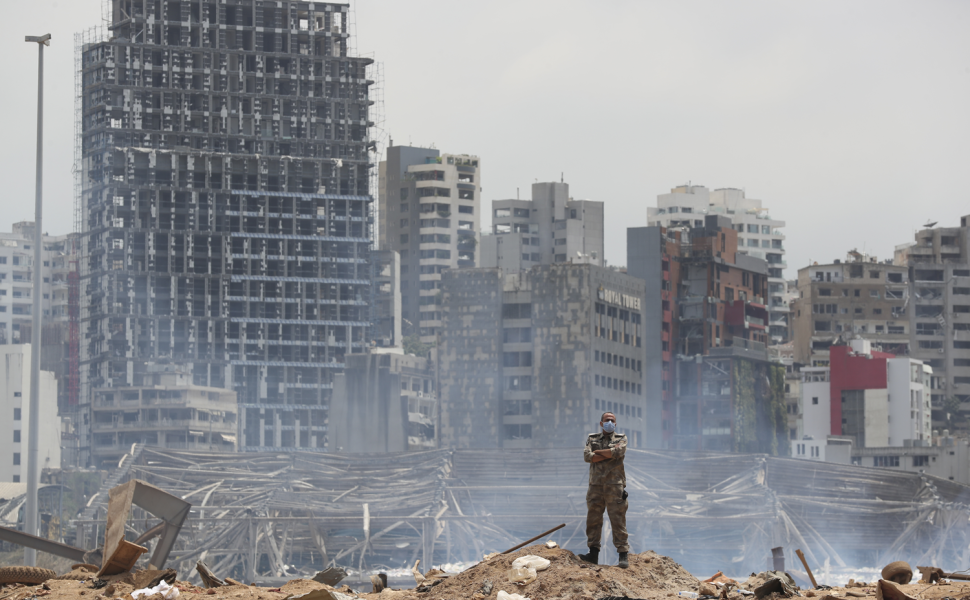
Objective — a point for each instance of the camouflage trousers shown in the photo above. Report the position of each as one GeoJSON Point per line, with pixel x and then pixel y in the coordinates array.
{"type": "Point", "coordinates": [609, 498]}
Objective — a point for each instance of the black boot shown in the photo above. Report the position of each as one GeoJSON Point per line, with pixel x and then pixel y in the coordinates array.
{"type": "Point", "coordinates": [593, 557]}
{"type": "Point", "coordinates": [624, 561]}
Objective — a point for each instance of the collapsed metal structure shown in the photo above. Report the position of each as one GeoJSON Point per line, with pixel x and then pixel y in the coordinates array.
{"type": "Point", "coordinates": [267, 516]}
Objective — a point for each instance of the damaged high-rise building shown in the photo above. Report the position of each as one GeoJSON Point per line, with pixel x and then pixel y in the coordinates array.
{"type": "Point", "coordinates": [225, 205]}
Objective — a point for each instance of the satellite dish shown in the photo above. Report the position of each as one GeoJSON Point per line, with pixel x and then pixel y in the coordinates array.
{"type": "Point", "coordinates": [930, 224]}
{"type": "Point", "coordinates": [579, 254]}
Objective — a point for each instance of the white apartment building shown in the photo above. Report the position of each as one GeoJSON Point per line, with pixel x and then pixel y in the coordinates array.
{"type": "Point", "coordinates": [16, 280]}
{"type": "Point", "coordinates": [758, 235]}
{"type": "Point", "coordinates": [549, 228]}
{"type": "Point", "coordinates": [430, 215]}
{"type": "Point", "coordinates": [881, 401]}
{"type": "Point", "coordinates": [15, 424]}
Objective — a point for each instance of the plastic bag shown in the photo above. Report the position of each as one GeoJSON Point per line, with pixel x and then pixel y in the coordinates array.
{"type": "Point", "coordinates": [536, 562]}
{"type": "Point", "coordinates": [169, 592]}
{"type": "Point", "coordinates": [522, 576]}
{"type": "Point", "coordinates": [507, 596]}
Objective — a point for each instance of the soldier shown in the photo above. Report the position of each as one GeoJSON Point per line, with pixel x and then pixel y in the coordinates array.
{"type": "Point", "coordinates": [607, 489]}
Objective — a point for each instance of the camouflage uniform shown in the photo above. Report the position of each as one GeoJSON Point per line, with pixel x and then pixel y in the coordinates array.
{"type": "Point", "coordinates": [607, 482]}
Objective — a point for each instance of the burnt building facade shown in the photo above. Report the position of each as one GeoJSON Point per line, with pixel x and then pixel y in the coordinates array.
{"type": "Point", "coordinates": [706, 336]}
{"type": "Point", "coordinates": [532, 360]}
{"type": "Point", "coordinates": [225, 205]}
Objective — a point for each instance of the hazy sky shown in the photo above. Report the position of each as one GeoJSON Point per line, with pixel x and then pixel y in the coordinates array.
{"type": "Point", "coordinates": [850, 120]}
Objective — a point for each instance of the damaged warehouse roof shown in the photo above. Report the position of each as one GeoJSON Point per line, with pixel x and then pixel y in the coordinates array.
{"type": "Point", "coordinates": [272, 516]}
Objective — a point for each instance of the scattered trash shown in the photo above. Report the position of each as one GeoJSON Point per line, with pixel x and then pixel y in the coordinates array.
{"type": "Point", "coordinates": [522, 575]}
{"type": "Point", "coordinates": [484, 591]}
{"type": "Point", "coordinates": [777, 582]}
{"type": "Point", "coordinates": [320, 594]}
{"type": "Point", "coordinates": [801, 557]}
{"type": "Point", "coordinates": [167, 591]}
{"type": "Point", "coordinates": [551, 544]}
{"type": "Point", "coordinates": [331, 576]}
{"type": "Point", "coordinates": [209, 578]}
{"type": "Point", "coordinates": [418, 577]}
{"type": "Point", "coordinates": [379, 582]}
{"type": "Point", "coordinates": [887, 590]}
{"type": "Point", "coordinates": [536, 562]}
{"type": "Point", "coordinates": [507, 596]}
{"type": "Point", "coordinates": [898, 572]}
{"type": "Point", "coordinates": [687, 594]}
{"type": "Point", "coordinates": [707, 589]}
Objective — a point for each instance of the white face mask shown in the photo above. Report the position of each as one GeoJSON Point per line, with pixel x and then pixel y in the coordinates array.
{"type": "Point", "coordinates": [609, 426]}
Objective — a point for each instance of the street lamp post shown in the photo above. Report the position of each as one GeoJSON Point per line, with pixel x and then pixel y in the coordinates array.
{"type": "Point", "coordinates": [33, 432]}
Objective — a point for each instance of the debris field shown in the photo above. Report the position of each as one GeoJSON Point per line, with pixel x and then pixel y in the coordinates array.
{"type": "Point", "coordinates": [650, 577]}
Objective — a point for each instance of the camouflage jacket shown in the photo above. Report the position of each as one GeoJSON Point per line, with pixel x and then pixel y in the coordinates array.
{"type": "Point", "coordinates": [606, 472]}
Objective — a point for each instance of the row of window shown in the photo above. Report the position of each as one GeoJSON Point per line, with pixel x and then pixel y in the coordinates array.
{"type": "Point", "coordinates": [467, 210]}
{"type": "Point", "coordinates": [753, 243]}
{"type": "Point", "coordinates": [617, 336]}
{"type": "Point", "coordinates": [619, 409]}
{"type": "Point", "coordinates": [614, 383]}
{"type": "Point", "coordinates": [827, 326]}
{"type": "Point", "coordinates": [617, 360]}
{"type": "Point", "coordinates": [617, 313]}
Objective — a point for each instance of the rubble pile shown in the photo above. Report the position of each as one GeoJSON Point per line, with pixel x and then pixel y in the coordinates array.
{"type": "Point", "coordinates": [566, 577]}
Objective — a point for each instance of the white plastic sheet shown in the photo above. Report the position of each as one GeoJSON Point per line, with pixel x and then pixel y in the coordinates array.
{"type": "Point", "coordinates": [167, 591]}
{"type": "Point", "coordinates": [536, 562]}
{"type": "Point", "coordinates": [507, 596]}
{"type": "Point", "coordinates": [522, 575]}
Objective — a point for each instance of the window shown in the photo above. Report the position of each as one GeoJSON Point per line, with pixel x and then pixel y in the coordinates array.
{"type": "Point", "coordinates": [874, 274]}
{"type": "Point", "coordinates": [873, 293]}
{"type": "Point", "coordinates": [921, 461]}
{"type": "Point", "coordinates": [752, 242]}
{"type": "Point", "coordinates": [469, 210]}
{"type": "Point", "coordinates": [405, 207]}
{"type": "Point", "coordinates": [3, 260]}
{"type": "Point", "coordinates": [517, 359]}
{"type": "Point", "coordinates": [885, 461]}
{"type": "Point", "coordinates": [404, 193]}
{"type": "Point", "coordinates": [518, 432]}
{"type": "Point", "coordinates": [814, 399]}
{"type": "Point", "coordinates": [404, 222]}
{"type": "Point", "coordinates": [404, 238]}
{"type": "Point", "coordinates": [752, 229]}
{"type": "Point", "coordinates": [16, 458]}
{"type": "Point", "coordinates": [515, 408]}
{"type": "Point", "coordinates": [519, 383]}
{"type": "Point", "coordinates": [516, 311]}
{"type": "Point", "coordinates": [16, 414]}
{"type": "Point", "coordinates": [16, 436]}
{"type": "Point", "coordinates": [16, 478]}
{"type": "Point", "coordinates": [514, 335]}
{"type": "Point", "coordinates": [501, 213]}
{"type": "Point", "coordinates": [825, 291]}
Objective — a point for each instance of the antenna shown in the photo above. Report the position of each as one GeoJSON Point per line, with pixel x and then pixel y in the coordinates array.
{"type": "Point", "coordinates": [562, 177]}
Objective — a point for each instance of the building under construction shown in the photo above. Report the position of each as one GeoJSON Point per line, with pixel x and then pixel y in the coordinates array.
{"type": "Point", "coordinates": [225, 207]}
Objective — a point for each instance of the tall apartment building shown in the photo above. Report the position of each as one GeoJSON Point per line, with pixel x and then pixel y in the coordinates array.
{"type": "Point", "coordinates": [549, 228]}
{"type": "Point", "coordinates": [758, 235]}
{"type": "Point", "coordinates": [532, 360]}
{"type": "Point", "coordinates": [15, 424]}
{"type": "Point", "coordinates": [858, 298]}
{"type": "Point", "coordinates": [225, 204]}
{"type": "Point", "coordinates": [430, 213]}
{"type": "Point", "coordinates": [939, 310]}
{"type": "Point", "coordinates": [706, 335]}
{"type": "Point", "coordinates": [16, 280]}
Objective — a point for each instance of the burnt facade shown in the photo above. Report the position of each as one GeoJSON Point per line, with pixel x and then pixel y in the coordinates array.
{"type": "Point", "coordinates": [226, 209]}
{"type": "Point", "coordinates": [705, 337]}
{"type": "Point", "coordinates": [532, 360]}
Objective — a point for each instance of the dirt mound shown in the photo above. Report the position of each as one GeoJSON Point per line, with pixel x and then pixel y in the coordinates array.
{"type": "Point", "coordinates": [649, 575]}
